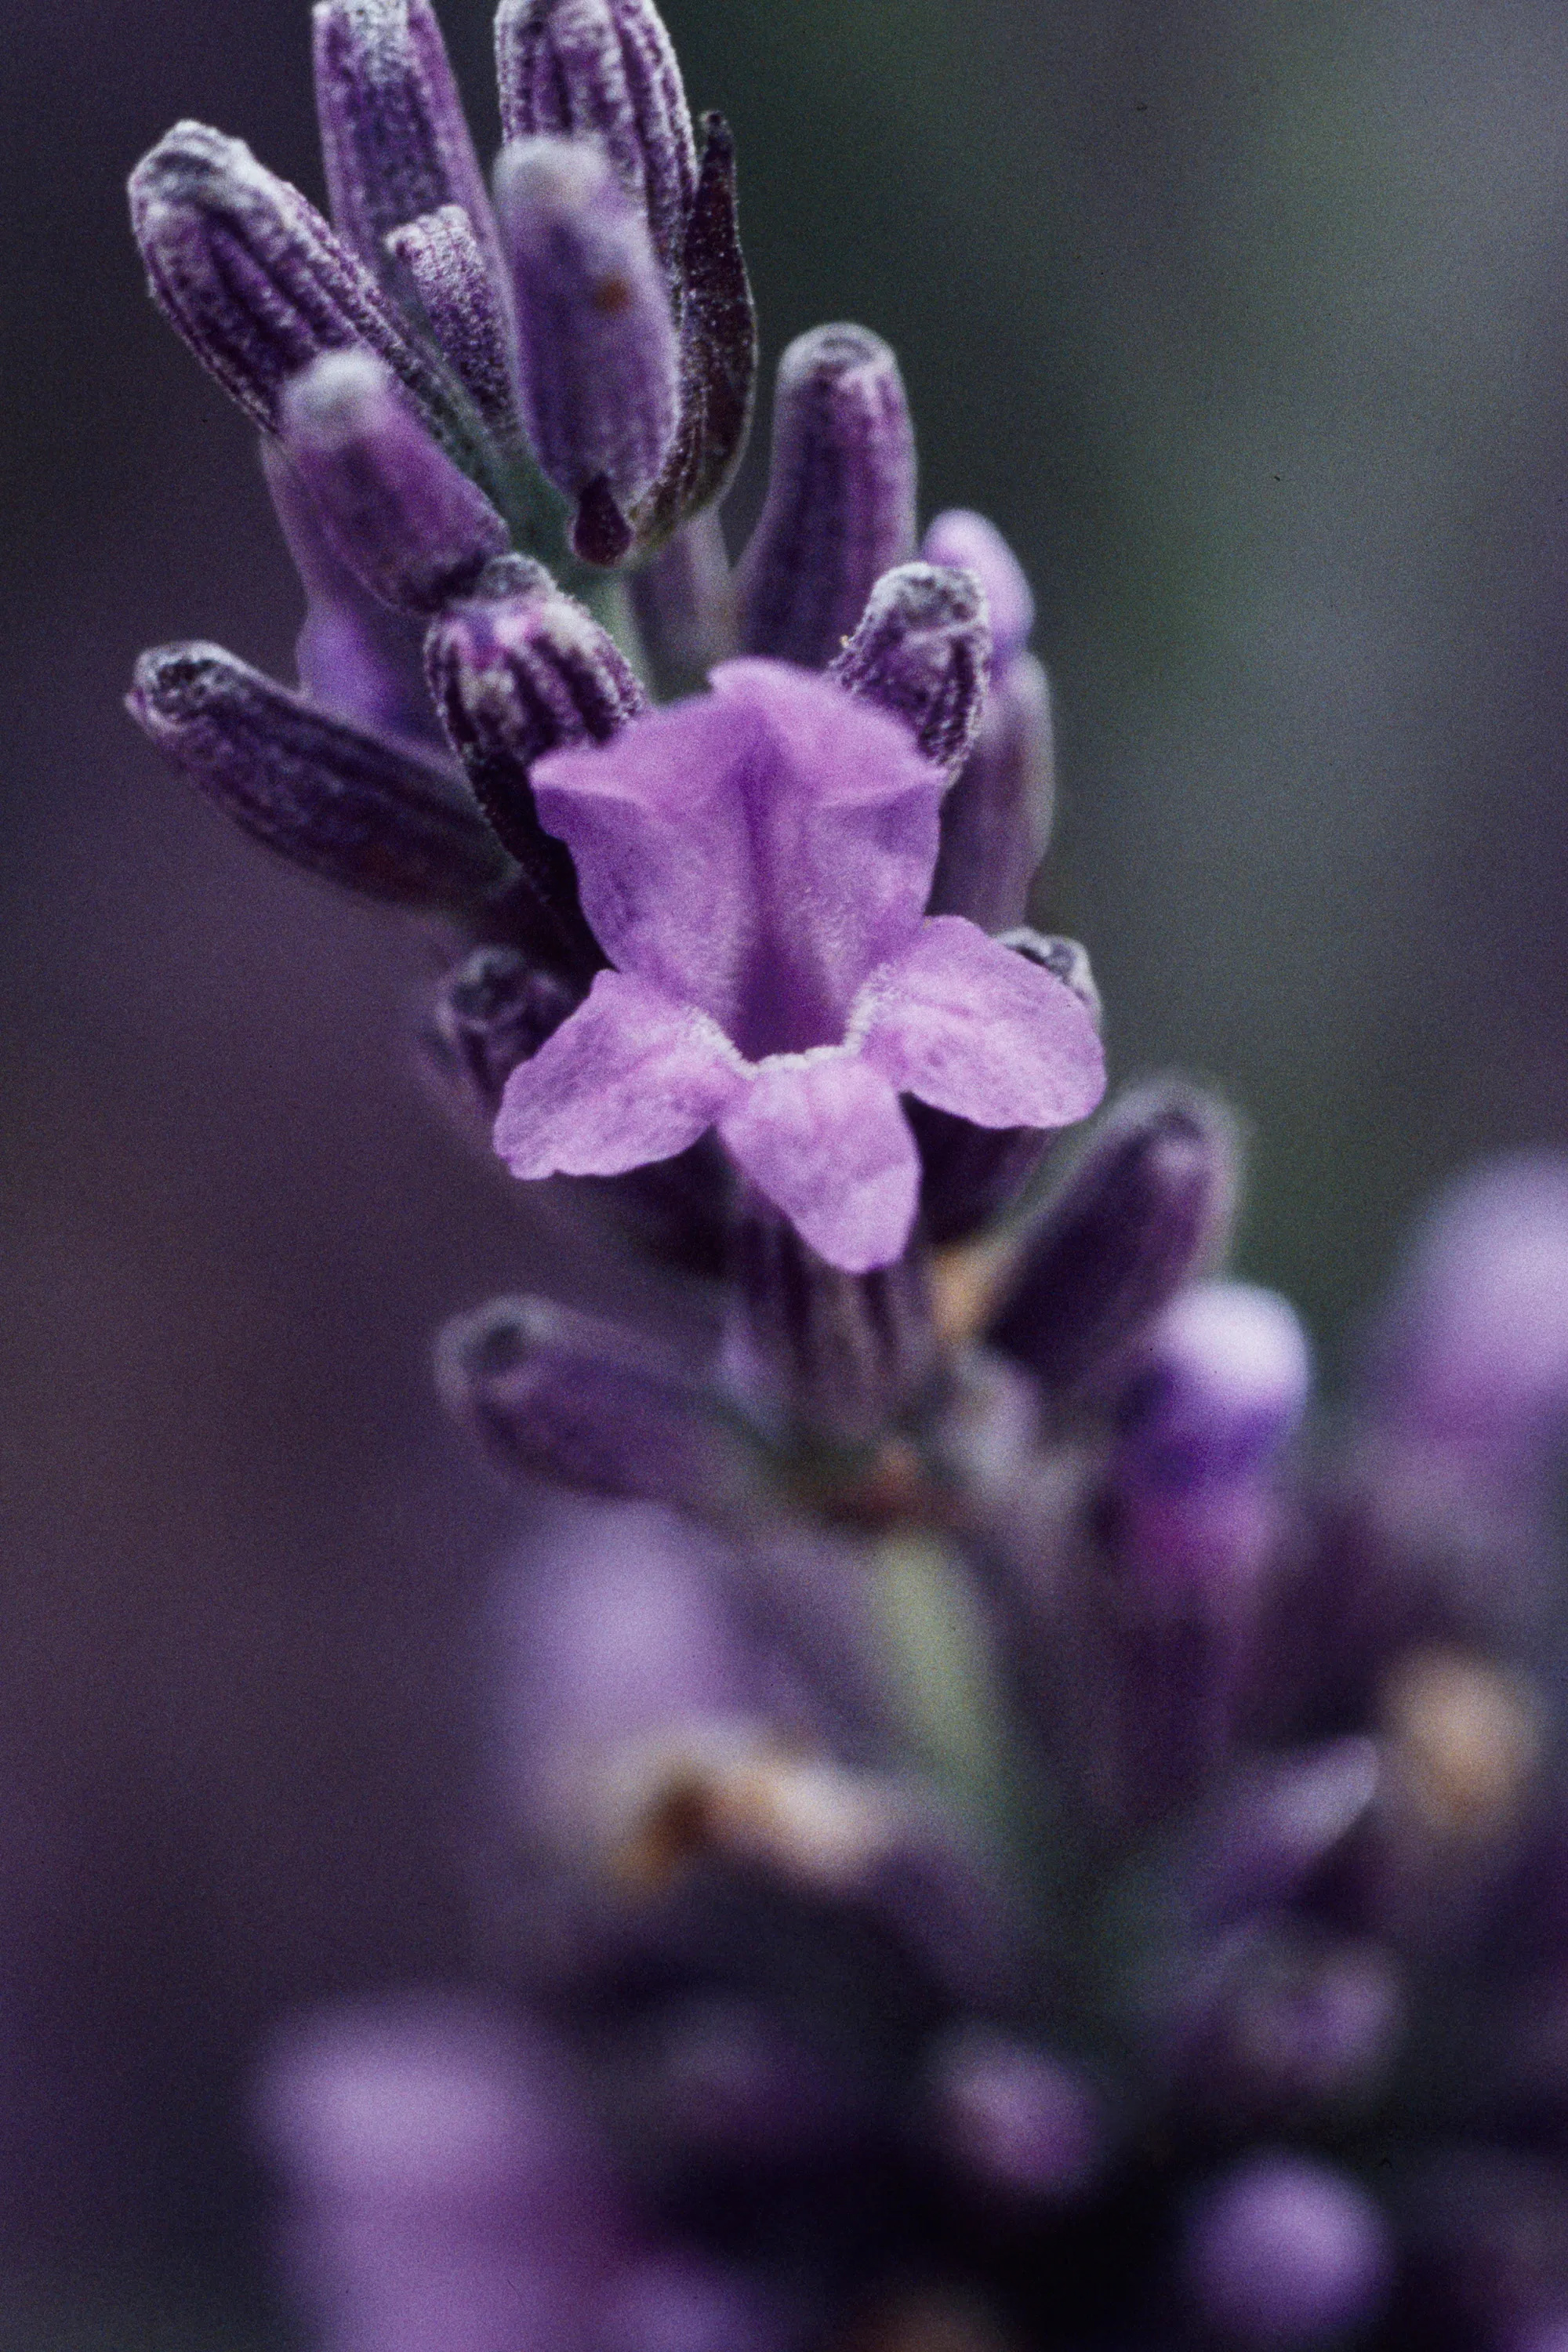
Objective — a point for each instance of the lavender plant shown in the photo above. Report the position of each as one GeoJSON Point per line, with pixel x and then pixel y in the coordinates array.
{"type": "Point", "coordinates": [989, 1843]}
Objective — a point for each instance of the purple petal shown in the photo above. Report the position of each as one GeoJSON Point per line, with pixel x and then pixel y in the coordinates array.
{"type": "Point", "coordinates": [825, 1139]}
{"type": "Point", "coordinates": [631, 1076]}
{"type": "Point", "coordinates": [967, 1025]}
{"type": "Point", "coordinates": [757, 852]}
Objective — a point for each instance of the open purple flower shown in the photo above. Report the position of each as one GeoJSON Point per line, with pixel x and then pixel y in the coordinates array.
{"type": "Point", "coordinates": [756, 863]}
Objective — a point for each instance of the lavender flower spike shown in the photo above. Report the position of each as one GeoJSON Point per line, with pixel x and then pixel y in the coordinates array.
{"type": "Point", "coordinates": [923, 651]}
{"type": "Point", "coordinates": [605, 69]}
{"type": "Point", "coordinates": [755, 863]}
{"type": "Point", "coordinates": [343, 805]}
{"type": "Point", "coordinates": [394, 140]}
{"type": "Point", "coordinates": [412, 528]}
{"type": "Point", "coordinates": [254, 280]}
{"type": "Point", "coordinates": [600, 361]}
{"type": "Point", "coordinates": [840, 508]}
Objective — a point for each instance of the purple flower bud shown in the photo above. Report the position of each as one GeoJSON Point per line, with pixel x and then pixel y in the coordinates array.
{"type": "Point", "coordinates": [684, 605]}
{"type": "Point", "coordinates": [252, 276]}
{"type": "Point", "coordinates": [1016, 2123]}
{"type": "Point", "coordinates": [443, 2186]}
{"type": "Point", "coordinates": [490, 1014]}
{"type": "Point", "coordinates": [517, 670]}
{"type": "Point", "coordinates": [1285, 2251]}
{"type": "Point", "coordinates": [563, 1396]}
{"type": "Point", "coordinates": [717, 349]}
{"type": "Point", "coordinates": [1219, 1387]}
{"type": "Point", "coordinates": [604, 69]}
{"type": "Point", "coordinates": [970, 1174]}
{"type": "Point", "coordinates": [923, 651]}
{"type": "Point", "coordinates": [819, 1353]}
{"type": "Point", "coordinates": [996, 820]}
{"type": "Point", "coordinates": [462, 302]}
{"type": "Point", "coordinates": [1473, 1357]}
{"type": "Point", "coordinates": [414, 530]}
{"type": "Point", "coordinates": [840, 508]}
{"type": "Point", "coordinates": [1146, 1207]}
{"type": "Point", "coordinates": [967, 543]}
{"type": "Point", "coordinates": [356, 656]}
{"type": "Point", "coordinates": [599, 360]}
{"type": "Point", "coordinates": [394, 136]}
{"type": "Point", "coordinates": [360, 812]}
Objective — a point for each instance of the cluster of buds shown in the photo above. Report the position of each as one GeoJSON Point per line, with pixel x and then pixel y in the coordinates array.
{"type": "Point", "coordinates": [989, 1848]}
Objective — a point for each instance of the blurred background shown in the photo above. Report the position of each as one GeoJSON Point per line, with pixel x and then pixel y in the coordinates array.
{"type": "Point", "coordinates": [1248, 321]}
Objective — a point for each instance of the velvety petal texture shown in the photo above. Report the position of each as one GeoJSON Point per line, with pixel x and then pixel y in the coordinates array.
{"type": "Point", "coordinates": [973, 1028]}
{"type": "Point", "coordinates": [757, 851]}
{"type": "Point", "coordinates": [822, 1136]}
{"type": "Point", "coordinates": [755, 862]}
{"type": "Point", "coordinates": [632, 1077]}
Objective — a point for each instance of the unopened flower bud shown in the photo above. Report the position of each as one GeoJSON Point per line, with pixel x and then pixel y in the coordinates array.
{"type": "Point", "coordinates": [1283, 2252]}
{"type": "Point", "coordinates": [923, 651]}
{"type": "Point", "coordinates": [465, 310]}
{"type": "Point", "coordinates": [717, 349]}
{"type": "Point", "coordinates": [356, 656]}
{"type": "Point", "coordinates": [490, 1014]}
{"type": "Point", "coordinates": [394, 138]}
{"type": "Point", "coordinates": [1187, 1518]}
{"type": "Point", "coordinates": [360, 812]}
{"type": "Point", "coordinates": [840, 508]}
{"type": "Point", "coordinates": [605, 69]}
{"type": "Point", "coordinates": [1219, 1387]}
{"type": "Point", "coordinates": [566, 1397]}
{"type": "Point", "coordinates": [259, 286]}
{"type": "Point", "coordinates": [1146, 1207]}
{"type": "Point", "coordinates": [414, 530]}
{"type": "Point", "coordinates": [996, 819]}
{"type": "Point", "coordinates": [599, 360]}
{"type": "Point", "coordinates": [968, 542]}
{"type": "Point", "coordinates": [519, 669]}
